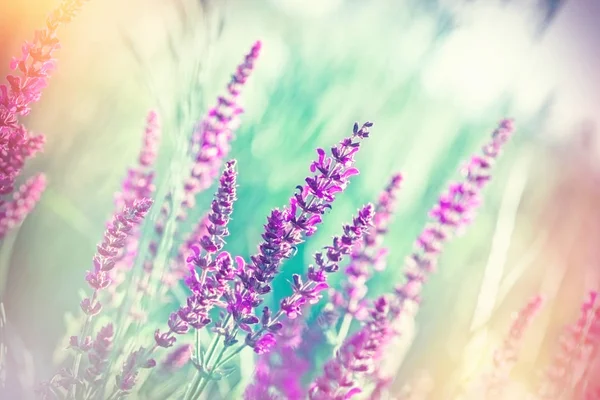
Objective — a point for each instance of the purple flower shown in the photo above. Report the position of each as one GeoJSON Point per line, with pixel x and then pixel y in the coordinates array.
{"type": "Point", "coordinates": [356, 357]}
{"type": "Point", "coordinates": [34, 65]}
{"type": "Point", "coordinates": [261, 388]}
{"type": "Point", "coordinates": [454, 210]}
{"type": "Point", "coordinates": [210, 141]}
{"type": "Point", "coordinates": [114, 240]}
{"type": "Point", "coordinates": [368, 254]}
{"type": "Point", "coordinates": [138, 184]}
{"type": "Point", "coordinates": [574, 344]}
{"type": "Point", "coordinates": [210, 271]}
{"type": "Point", "coordinates": [285, 228]}
{"type": "Point", "coordinates": [14, 211]}
{"type": "Point", "coordinates": [177, 358]}
{"type": "Point", "coordinates": [136, 360]}
{"type": "Point", "coordinates": [309, 291]}
{"type": "Point", "coordinates": [264, 344]}
{"type": "Point", "coordinates": [99, 354]}
{"type": "Point", "coordinates": [506, 356]}
{"type": "Point", "coordinates": [178, 268]}
{"type": "Point", "coordinates": [286, 366]}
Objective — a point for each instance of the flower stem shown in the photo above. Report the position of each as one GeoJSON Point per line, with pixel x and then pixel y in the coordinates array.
{"type": "Point", "coordinates": [206, 380]}
{"type": "Point", "coordinates": [197, 380]}
{"type": "Point", "coordinates": [343, 332]}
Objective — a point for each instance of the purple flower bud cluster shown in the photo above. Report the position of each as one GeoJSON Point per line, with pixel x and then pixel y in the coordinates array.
{"type": "Point", "coordinates": [176, 359]}
{"type": "Point", "coordinates": [308, 291]}
{"type": "Point", "coordinates": [367, 255]}
{"type": "Point", "coordinates": [126, 380]}
{"type": "Point", "coordinates": [356, 357]}
{"type": "Point", "coordinates": [210, 141]}
{"type": "Point", "coordinates": [575, 343]}
{"type": "Point", "coordinates": [216, 269]}
{"type": "Point", "coordinates": [454, 210]}
{"type": "Point", "coordinates": [16, 146]}
{"type": "Point", "coordinates": [14, 211]}
{"type": "Point", "coordinates": [138, 184]}
{"type": "Point", "coordinates": [285, 228]}
{"type": "Point", "coordinates": [178, 267]}
{"type": "Point", "coordinates": [279, 373]}
{"type": "Point", "coordinates": [35, 65]}
{"type": "Point", "coordinates": [98, 355]}
{"type": "Point", "coordinates": [108, 251]}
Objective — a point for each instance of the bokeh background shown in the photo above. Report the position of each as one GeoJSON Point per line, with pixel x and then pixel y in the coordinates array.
{"type": "Point", "coordinates": [433, 76]}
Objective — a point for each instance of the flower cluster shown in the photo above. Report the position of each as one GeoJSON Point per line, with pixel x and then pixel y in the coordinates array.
{"type": "Point", "coordinates": [17, 144]}
{"type": "Point", "coordinates": [367, 256]}
{"type": "Point", "coordinates": [210, 271]}
{"type": "Point", "coordinates": [98, 355]}
{"type": "Point", "coordinates": [506, 356]}
{"type": "Point", "coordinates": [210, 141]}
{"type": "Point", "coordinates": [576, 346]}
{"type": "Point", "coordinates": [453, 212]}
{"type": "Point", "coordinates": [34, 65]}
{"type": "Point", "coordinates": [356, 357]}
{"type": "Point", "coordinates": [309, 291]}
{"type": "Point", "coordinates": [279, 373]}
{"type": "Point", "coordinates": [138, 184]}
{"type": "Point", "coordinates": [285, 228]}
{"type": "Point", "coordinates": [14, 211]}
{"type": "Point", "coordinates": [98, 278]}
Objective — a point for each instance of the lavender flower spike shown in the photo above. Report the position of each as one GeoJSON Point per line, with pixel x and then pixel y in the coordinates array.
{"type": "Point", "coordinates": [210, 141]}
{"type": "Point", "coordinates": [455, 209]}
{"type": "Point", "coordinates": [206, 289]}
{"type": "Point", "coordinates": [505, 357]}
{"type": "Point", "coordinates": [285, 228]}
{"type": "Point", "coordinates": [368, 255]}
{"type": "Point", "coordinates": [309, 291]}
{"type": "Point", "coordinates": [355, 358]}
{"type": "Point", "coordinates": [14, 211]}
{"type": "Point", "coordinates": [108, 251]}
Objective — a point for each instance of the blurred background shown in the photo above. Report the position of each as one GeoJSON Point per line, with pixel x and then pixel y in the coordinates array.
{"type": "Point", "coordinates": [435, 76]}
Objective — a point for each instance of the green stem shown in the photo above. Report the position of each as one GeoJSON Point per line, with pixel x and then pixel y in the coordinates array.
{"type": "Point", "coordinates": [206, 380]}
{"type": "Point", "coordinates": [5, 257]}
{"type": "Point", "coordinates": [343, 332]}
{"type": "Point", "coordinates": [197, 379]}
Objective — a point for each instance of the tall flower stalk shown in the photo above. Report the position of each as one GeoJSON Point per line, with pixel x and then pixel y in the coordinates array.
{"type": "Point", "coordinates": [506, 356]}
{"type": "Point", "coordinates": [283, 232]}
{"type": "Point", "coordinates": [306, 291]}
{"type": "Point", "coordinates": [98, 278]}
{"type": "Point", "coordinates": [455, 209]}
{"type": "Point", "coordinates": [577, 346]}
{"type": "Point", "coordinates": [208, 147]}
{"type": "Point", "coordinates": [367, 256]}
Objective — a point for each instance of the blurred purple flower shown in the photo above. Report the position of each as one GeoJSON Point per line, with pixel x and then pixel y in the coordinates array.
{"type": "Point", "coordinates": [34, 65]}
{"type": "Point", "coordinates": [356, 357]}
{"type": "Point", "coordinates": [14, 211]}
{"type": "Point", "coordinates": [367, 255]}
{"type": "Point", "coordinates": [210, 141]}
{"type": "Point", "coordinates": [453, 212]}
